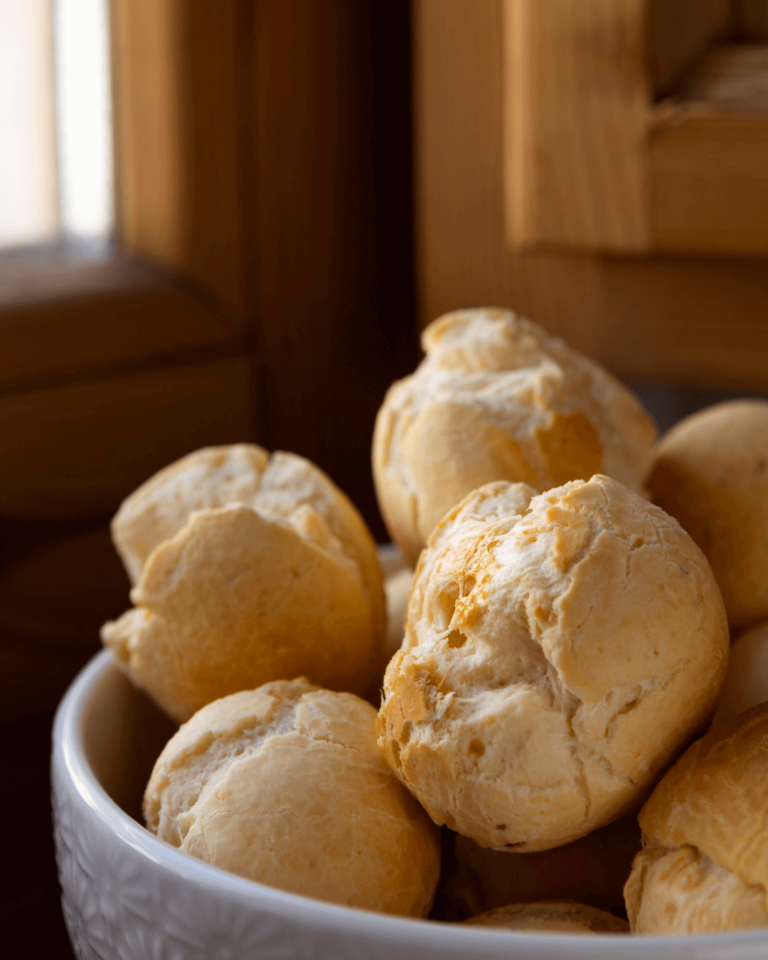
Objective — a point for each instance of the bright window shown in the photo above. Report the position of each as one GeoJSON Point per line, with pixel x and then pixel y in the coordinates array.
{"type": "Point", "coordinates": [55, 121]}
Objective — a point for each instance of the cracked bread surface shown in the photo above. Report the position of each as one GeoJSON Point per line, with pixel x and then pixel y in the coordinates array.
{"type": "Point", "coordinates": [680, 890]}
{"type": "Point", "coordinates": [704, 866]}
{"type": "Point", "coordinates": [551, 916]}
{"type": "Point", "coordinates": [559, 650]}
{"type": "Point", "coordinates": [285, 785]}
{"type": "Point", "coordinates": [231, 596]}
{"type": "Point", "coordinates": [274, 485]}
{"type": "Point", "coordinates": [236, 599]}
{"type": "Point", "coordinates": [498, 398]}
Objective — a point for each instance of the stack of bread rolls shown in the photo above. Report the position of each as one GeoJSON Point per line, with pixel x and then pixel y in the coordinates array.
{"type": "Point", "coordinates": [563, 638]}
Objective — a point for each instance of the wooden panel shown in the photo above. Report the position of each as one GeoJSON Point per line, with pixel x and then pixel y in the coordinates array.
{"type": "Point", "coordinates": [177, 138]}
{"type": "Point", "coordinates": [52, 603]}
{"type": "Point", "coordinates": [708, 157]}
{"type": "Point", "coordinates": [683, 319]}
{"type": "Point", "coordinates": [576, 97]}
{"type": "Point", "coordinates": [255, 161]}
{"type": "Point", "coordinates": [462, 254]}
{"type": "Point", "coordinates": [678, 32]}
{"type": "Point", "coordinates": [64, 320]}
{"type": "Point", "coordinates": [709, 177]}
{"type": "Point", "coordinates": [328, 353]}
{"type": "Point", "coordinates": [751, 18]}
{"type": "Point", "coordinates": [590, 164]}
{"type": "Point", "coordinates": [730, 77]}
{"type": "Point", "coordinates": [680, 319]}
{"type": "Point", "coordinates": [79, 450]}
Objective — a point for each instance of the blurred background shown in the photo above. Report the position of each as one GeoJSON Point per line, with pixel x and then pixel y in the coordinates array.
{"type": "Point", "coordinates": [228, 220]}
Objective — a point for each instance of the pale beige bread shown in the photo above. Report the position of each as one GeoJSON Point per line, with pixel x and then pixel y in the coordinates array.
{"type": "Point", "coordinates": [594, 869]}
{"type": "Point", "coordinates": [396, 589]}
{"type": "Point", "coordinates": [551, 917]}
{"type": "Point", "coordinates": [285, 785]}
{"type": "Point", "coordinates": [746, 683]}
{"type": "Point", "coordinates": [560, 649]}
{"type": "Point", "coordinates": [680, 890]}
{"type": "Point", "coordinates": [711, 473]}
{"type": "Point", "coordinates": [247, 593]}
{"type": "Point", "coordinates": [214, 477]}
{"type": "Point", "coordinates": [498, 398]}
{"type": "Point", "coordinates": [704, 866]}
{"type": "Point", "coordinates": [391, 560]}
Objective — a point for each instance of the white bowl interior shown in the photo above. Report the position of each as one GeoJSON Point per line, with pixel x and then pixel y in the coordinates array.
{"type": "Point", "coordinates": [123, 733]}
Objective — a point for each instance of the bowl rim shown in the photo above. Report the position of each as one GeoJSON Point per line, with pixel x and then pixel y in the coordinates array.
{"type": "Point", "coordinates": [69, 758]}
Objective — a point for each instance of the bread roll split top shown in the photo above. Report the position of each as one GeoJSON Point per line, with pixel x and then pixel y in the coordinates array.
{"type": "Point", "coordinates": [215, 477]}
{"type": "Point", "coordinates": [498, 398]}
{"type": "Point", "coordinates": [285, 785]}
{"type": "Point", "coordinates": [705, 862]}
{"type": "Point", "coordinates": [715, 798]}
{"type": "Point", "coordinates": [281, 580]}
{"type": "Point", "coordinates": [559, 650]}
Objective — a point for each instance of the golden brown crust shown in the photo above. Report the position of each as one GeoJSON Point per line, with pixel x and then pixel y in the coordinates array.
{"type": "Point", "coordinates": [710, 471]}
{"type": "Point", "coordinates": [715, 798]}
{"type": "Point", "coordinates": [285, 785]}
{"type": "Point", "coordinates": [680, 890]}
{"type": "Point", "coordinates": [206, 479]}
{"type": "Point", "coordinates": [557, 655]}
{"type": "Point", "coordinates": [551, 916]}
{"type": "Point", "coordinates": [234, 600]}
{"type": "Point", "coordinates": [243, 473]}
{"type": "Point", "coordinates": [497, 398]}
{"type": "Point", "coordinates": [280, 579]}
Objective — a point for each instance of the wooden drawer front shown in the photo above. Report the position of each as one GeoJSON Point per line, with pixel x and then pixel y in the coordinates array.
{"type": "Point", "coordinates": [79, 450]}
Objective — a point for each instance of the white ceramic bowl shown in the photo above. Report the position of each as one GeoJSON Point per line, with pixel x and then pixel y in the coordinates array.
{"type": "Point", "coordinates": [128, 896]}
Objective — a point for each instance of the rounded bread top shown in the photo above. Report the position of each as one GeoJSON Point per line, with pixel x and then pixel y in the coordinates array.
{"type": "Point", "coordinates": [680, 890]}
{"type": "Point", "coordinates": [285, 785]}
{"type": "Point", "coordinates": [710, 471]}
{"type": "Point", "coordinates": [551, 916]}
{"type": "Point", "coordinates": [559, 650]}
{"type": "Point", "coordinates": [498, 398]}
{"type": "Point", "coordinates": [236, 599]}
{"type": "Point", "coordinates": [275, 486]}
{"type": "Point", "coordinates": [715, 798]}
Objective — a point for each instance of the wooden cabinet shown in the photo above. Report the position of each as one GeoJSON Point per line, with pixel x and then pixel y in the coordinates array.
{"type": "Point", "coordinates": [635, 125]}
{"type": "Point", "coordinates": [588, 163]}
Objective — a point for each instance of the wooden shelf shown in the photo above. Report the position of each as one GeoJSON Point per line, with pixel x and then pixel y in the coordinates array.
{"type": "Point", "coordinates": [62, 317]}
